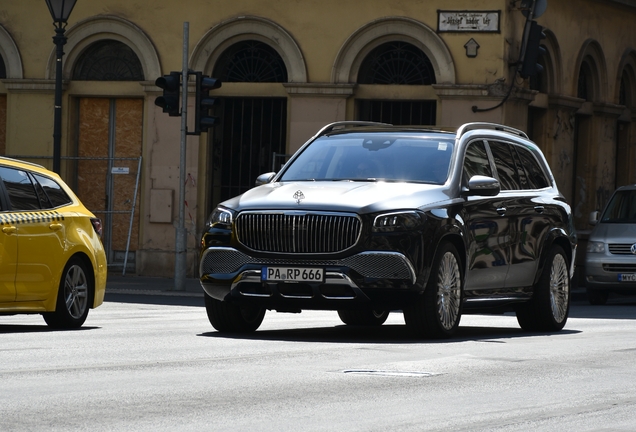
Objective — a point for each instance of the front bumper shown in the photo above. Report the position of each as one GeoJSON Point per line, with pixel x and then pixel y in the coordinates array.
{"type": "Point", "coordinates": [379, 277]}
{"type": "Point", "coordinates": [602, 272]}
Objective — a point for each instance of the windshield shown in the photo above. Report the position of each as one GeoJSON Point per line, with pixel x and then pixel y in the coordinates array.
{"type": "Point", "coordinates": [374, 157]}
{"type": "Point", "coordinates": [622, 208]}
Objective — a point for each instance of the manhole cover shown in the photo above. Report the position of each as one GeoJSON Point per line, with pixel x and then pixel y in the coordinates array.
{"type": "Point", "coordinates": [389, 373]}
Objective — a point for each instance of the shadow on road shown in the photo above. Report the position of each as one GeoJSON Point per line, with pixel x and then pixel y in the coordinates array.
{"type": "Point", "coordinates": [389, 334]}
{"type": "Point", "coordinates": [30, 328]}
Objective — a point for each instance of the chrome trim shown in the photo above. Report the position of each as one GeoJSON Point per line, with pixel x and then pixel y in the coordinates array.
{"type": "Point", "coordinates": [372, 264]}
{"type": "Point", "coordinates": [299, 232]}
{"type": "Point", "coordinates": [331, 278]}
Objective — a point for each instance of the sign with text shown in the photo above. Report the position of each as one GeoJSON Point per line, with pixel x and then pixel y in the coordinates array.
{"type": "Point", "coordinates": [468, 21]}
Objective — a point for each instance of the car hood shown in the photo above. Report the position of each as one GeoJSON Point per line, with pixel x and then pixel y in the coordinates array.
{"type": "Point", "coordinates": [614, 233]}
{"type": "Point", "coordinates": [349, 196]}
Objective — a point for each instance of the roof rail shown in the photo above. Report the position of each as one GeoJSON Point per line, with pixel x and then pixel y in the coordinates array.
{"type": "Point", "coordinates": [344, 124]}
{"type": "Point", "coordinates": [493, 126]}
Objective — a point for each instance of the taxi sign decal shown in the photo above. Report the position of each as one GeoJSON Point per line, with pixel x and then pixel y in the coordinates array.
{"type": "Point", "coordinates": [29, 217]}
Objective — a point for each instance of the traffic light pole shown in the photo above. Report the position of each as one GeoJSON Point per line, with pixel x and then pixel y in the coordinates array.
{"type": "Point", "coordinates": [181, 235]}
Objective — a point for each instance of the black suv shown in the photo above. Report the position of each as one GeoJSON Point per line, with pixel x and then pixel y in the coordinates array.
{"type": "Point", "coordinates": [368, 218]}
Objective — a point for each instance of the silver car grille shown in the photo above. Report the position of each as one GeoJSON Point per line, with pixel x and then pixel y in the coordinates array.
{"type": "Point", "coordinates": [376, 264]}
{"type": "Point", "coordinates": [620, 248]}
{"type": "Point", "coordinates": [298, 232]}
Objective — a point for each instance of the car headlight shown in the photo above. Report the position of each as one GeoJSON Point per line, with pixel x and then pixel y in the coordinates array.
{"type": "Point", "coordinates": [595, 247]}
{"type": "Point", "coordinates": [220, 218]}
{"type": "Point", "coordinates": [399, 221]}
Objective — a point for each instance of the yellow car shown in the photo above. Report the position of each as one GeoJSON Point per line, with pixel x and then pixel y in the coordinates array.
{"type": "Point", "coordinates": [52, 260]}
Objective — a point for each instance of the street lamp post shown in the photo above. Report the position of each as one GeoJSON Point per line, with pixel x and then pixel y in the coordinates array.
{"type": "Point", "coordinates": [60, 11]}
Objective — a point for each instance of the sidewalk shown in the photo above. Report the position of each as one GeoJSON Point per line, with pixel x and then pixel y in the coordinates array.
{"type": "Point", "coordinates": [118, 284]}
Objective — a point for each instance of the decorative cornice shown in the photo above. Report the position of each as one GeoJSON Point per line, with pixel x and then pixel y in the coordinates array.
{"type": "Point", "coordinates": [31, 85]}
{"type": "Point", "coordinates": [319, 89]}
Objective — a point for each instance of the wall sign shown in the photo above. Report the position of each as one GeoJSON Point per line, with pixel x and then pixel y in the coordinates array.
{"type": "Point", "coordinates": [468, 21]}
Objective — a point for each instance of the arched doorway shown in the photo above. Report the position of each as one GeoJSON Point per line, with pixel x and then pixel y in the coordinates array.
{"type": "Point", "coordinates": [252, 129]}
{"type": "Point", "coordinates": [108, 144]}
{"type": "Point", "coordinates": [397, 63]}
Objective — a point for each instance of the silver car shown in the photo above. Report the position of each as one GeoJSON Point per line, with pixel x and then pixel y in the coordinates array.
{"type": "Point", "coordinates": [610, 264]}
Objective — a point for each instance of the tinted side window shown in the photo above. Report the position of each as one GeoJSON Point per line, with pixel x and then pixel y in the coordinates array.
{"type": "Point", "coordinates": [20, 189]}
{"type": "Point", "coordinates": [476, 161]}
{"type": "Point", "coordinates": [53, 191]}
{"type": "Point", "coordinates": [534, 174]}
{"type": "Point", "coordinates": [505, 164]}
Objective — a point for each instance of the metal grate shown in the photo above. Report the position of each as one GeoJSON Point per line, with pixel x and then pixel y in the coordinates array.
{"type": "Point", "coordinates": [620, 268]}
{"type": "Point", "coordinates": [297, 232]}
{"type": "Point", "coordinates": [620, 248]}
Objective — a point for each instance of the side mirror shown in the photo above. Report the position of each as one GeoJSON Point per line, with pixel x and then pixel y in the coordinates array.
{"type": "Point", "coordinates": [482, 186]}
{"type": "Point", "coordinates": [264, 178]}
{"type": "Point", "coordinates": [593, 220]}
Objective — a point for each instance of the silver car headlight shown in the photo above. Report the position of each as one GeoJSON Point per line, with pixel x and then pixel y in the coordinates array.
{"type": "Point", "coordinates": [595, 247]}
{"type": "Point", "coordinates": [220, 218]}
{"type": "Point", "coordinates": [399, 221]}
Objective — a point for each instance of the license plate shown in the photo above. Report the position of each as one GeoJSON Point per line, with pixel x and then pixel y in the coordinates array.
{"type": "Point", "coordinates": [292, 274]}
{"type": "Point", "coordinates": [627, 277]}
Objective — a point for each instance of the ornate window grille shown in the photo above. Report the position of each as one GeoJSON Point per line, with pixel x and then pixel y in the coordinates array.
{"type": "Point", "coordinates": [108, 60]}
{"type": "Point", "coordinates": [250, 61]}
{"type": "Point", "coordinates": [397, 63]}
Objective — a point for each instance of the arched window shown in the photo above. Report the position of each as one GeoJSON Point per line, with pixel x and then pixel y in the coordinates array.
{"type": "Point", "coordinates": [3, 69]}
{"type": "Point", "coordinates": [396, 63]}
{"type": "Point", "coordinates": [584, 88]}
{"type": "Point", "coordinates": [625, 92]}
{"type": "Point", "coordinates": [108, 60]}
{"type": "Point", "coordinates": [250, 61]}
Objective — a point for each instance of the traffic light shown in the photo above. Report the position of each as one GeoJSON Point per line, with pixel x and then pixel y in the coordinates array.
{"type": "Point", "coordinates": [203, 102]}
{"type": "Point", "coordinates": [529, 66]}
{"type": "Point", "coordinates": [171, 85]}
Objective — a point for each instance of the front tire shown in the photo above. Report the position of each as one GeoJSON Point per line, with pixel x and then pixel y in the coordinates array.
{"type": "Point", "coordinates": [437, 312]}
{"type": "Point", "coordinates": [228, 318]}
{"type": "Point", "coordinates": [363, 317]}
{"type": "Point", "coordinates": [74, 297]}
{"type": "Point", "coordinates": [550, 304]}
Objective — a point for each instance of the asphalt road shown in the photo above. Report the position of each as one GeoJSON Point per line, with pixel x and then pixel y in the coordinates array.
{"type": "Point", "coordinates": [141, 365]}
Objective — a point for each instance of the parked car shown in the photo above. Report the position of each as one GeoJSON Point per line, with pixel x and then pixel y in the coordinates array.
{"type": "Point", "coordinates": [52, 261]}
{"type": "Point", "coordinates": [368, 218]}
{"type": "Point", "coordinates": [610, 262]}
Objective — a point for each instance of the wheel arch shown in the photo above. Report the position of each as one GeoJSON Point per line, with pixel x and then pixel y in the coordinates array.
{"type": "Point", "coordinates": [560, 238]}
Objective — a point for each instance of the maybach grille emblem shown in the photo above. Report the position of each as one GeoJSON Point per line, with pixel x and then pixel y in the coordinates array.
{"type": "Point", "coordinates": [298, 196]}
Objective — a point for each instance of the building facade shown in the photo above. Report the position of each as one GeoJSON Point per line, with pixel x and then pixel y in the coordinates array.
{"type": "Point", "coordinates": [288, 68]}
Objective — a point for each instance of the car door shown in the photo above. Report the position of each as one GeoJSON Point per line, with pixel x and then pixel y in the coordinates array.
{"type": "Point", "coordinates": [8, 253]}
{"type": "Point", "coordinates": [487, 261]}
{"type": "Point", "coordinates": [40, 236]}
{"type": "Point", "coordinates": [533, 219]}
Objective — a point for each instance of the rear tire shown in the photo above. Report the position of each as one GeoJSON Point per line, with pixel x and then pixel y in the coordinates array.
{"type": "Point", "coordinates": [363, 317]}
{"type": "Point", "coordinates": [437, 312]}
{"type": "Point", "coordinates": [74, 297]}
{"type": "Point", "coordinates": [550, 304]}
{"type": "Point", "coordinates": [229, 318]}
{"type": "Point", "coordinates": [597, 297]}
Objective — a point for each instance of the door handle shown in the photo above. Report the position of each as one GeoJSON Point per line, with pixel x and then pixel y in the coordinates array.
{"type": "Point", "coordinates": [539, 209]}
{"type": "Point", "coordinates": [501, 211]}
{"type": "Point", "coordinates": [9, 229]}
{"type": "Point", "coordinates": [55, 226]}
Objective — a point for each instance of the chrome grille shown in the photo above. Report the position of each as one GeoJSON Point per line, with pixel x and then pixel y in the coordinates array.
{"type": "Point", "coordinates": [297, 232]}
{"type": "Point", "coordinates": [620, 249]}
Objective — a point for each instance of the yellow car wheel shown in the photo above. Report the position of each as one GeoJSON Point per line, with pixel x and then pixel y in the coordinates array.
{"type": "Point", "coordinates": [74, 297]}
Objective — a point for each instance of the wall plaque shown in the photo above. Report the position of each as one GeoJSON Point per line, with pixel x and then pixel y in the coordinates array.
{"type": "Point", "coordinates": [468, 21]}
